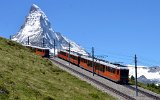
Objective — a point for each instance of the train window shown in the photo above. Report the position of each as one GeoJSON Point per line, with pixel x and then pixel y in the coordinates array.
{"type": "Point", "coordinates": [39, 50]}
{"type": "Point", "coordinates": [75, 58]}
{"type": "Point", "coordinates": [72, 57]}
{"type": "Point", "coordinates": [101, 68]}
{"type": "Point", "coordinates": [109, 69]}
{"type": "Point", "coordinates": [63, 53]}
{"type": "Point", "coordinates": [124, 73]}
{"type": "Point", "coordinates": [117, 72]}
{"type": "Point", "coordinates": [113, 70]}
{"type": "Point", "coordinates": [85, 61]}
{"type": "Point", "coordinates": [89, 64]}
{"type": "Point", "coordinates": [97, 68]}
{"type": "Point", "coordinates": [97, 64]}
{"type": "Point", "coordinates": [81, 59]}
{"type": "Point", "coordinates": [106, 68]}
{"type": "Point", "coordinates": [94, 64]}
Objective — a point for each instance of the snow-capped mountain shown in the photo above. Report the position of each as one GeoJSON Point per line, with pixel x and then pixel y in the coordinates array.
{"type": "Point", "coordinates": [38, 31]}
{"type": "Point", "coordinates": [146, 74]}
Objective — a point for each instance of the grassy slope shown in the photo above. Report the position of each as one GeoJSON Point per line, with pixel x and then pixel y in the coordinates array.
{"type": "Point", "coordinates": [25, 76]}
{"type": "Point", "coordinates": [151, 87]}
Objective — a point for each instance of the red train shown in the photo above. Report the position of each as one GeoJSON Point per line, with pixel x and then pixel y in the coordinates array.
{"type": "Point", "coordinates": [44, 52]}
{"type": "Point", "coordinates": [115, 72]}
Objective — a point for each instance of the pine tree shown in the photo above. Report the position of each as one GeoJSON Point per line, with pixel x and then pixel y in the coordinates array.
{"type": "Point", "coordinates": [132, 78]}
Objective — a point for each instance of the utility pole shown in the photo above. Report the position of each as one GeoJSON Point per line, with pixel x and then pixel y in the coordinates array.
{"type": "Point", "coordinates": [28, 40]}
{"type": "Point", "coordinates": [136, 75]}
{"type": "Point", "coordinates": [10, 37]}
{"type": "Point", "coordinates": [69, 52]}
{"type": "Point", "coordinates": [54, 47]}
{"type": "Point", "coordinates": [93, 59]}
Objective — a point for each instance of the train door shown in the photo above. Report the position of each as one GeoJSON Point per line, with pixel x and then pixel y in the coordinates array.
{"type": "Point", "coordinates": [46, 53]}
{"type": "Point", "coordinates": [124, 75]}
{"type": "Point", "coordinates": [78, 60]}
{"type": "Point", "coordinates": [96, 67]}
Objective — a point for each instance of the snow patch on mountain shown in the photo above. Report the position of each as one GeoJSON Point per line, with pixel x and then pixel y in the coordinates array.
{"type": "Point", "coordinates": [37, 31]}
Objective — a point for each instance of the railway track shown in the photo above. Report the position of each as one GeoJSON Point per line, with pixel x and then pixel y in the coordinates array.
{"type": "Point", "coordinates": [97, 82]}
{"type": "Point", "coordinates": [145, 93]}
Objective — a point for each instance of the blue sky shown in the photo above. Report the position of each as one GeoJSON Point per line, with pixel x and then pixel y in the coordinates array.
{"type": "Point", "coordinates": [116, 28]}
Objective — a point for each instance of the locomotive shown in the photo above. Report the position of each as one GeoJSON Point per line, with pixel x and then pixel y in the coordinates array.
{"type": "Point", "coordinates": [114, 72]}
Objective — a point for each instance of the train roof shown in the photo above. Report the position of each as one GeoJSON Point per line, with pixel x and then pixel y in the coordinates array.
{"type": "Point", "coordinates": [72, 53]}
{"type": "Point", "coordinates": [118, 66]}
{"type": "Point", "coordinates": [37, 47]}
{"type": "Point", "coordinates": [106, 63]}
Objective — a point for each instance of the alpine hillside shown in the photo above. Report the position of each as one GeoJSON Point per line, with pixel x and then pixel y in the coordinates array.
{"type": "Point", "coordinates": [37, 31]}
{"type": "Point", "coordinates": [27, 76]}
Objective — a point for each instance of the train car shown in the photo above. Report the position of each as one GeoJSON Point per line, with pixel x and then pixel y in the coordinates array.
{"type": "Point", "coordinates": [117, 73]}
{"type": "Point", "coordinates": [114, 72]}
{"type": "Point", "coordinates": [63, 55]}
{"type": "Point", "coordinates": [74, 58]}
{"type": "Point", "coordinates": [44, 52]}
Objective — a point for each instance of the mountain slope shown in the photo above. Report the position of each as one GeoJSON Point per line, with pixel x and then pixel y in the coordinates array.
{"type": "Point", "coordinates": [37, 30]}
{"type": "Point", "coordinates": [26, 76]}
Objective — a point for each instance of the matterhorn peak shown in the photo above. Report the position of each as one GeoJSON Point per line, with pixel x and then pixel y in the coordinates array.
{"type": "Point", "coordinates": [34, 8]}
{"type": "Point", "coordinates": [35, 11]}
{"type": "Point", "coordinates": [37, 31]}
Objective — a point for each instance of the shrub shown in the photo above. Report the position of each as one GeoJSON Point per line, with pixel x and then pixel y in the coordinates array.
{"type": "Point", "coordinates": [132, 78]}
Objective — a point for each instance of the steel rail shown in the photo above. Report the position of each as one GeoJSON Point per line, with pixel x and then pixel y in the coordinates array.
{"type": "Point", "coordinates": [145, 93]}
